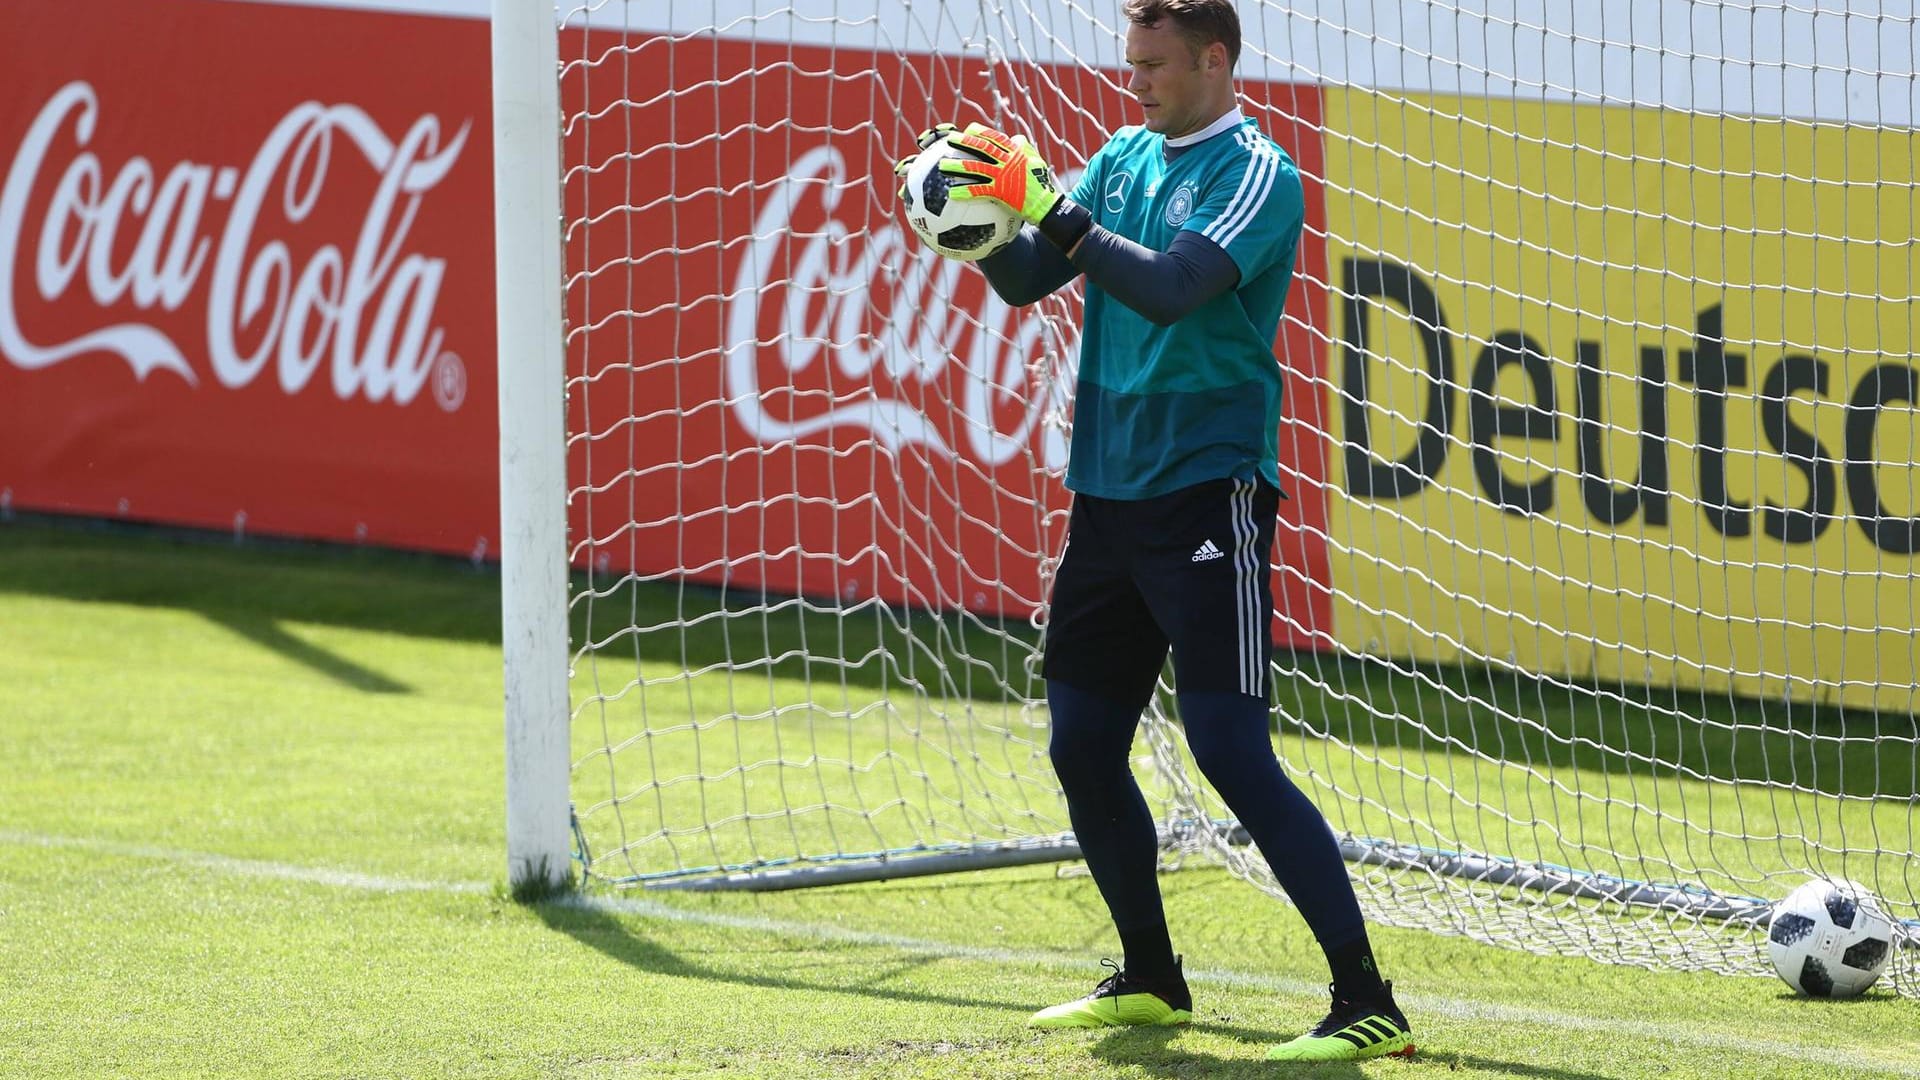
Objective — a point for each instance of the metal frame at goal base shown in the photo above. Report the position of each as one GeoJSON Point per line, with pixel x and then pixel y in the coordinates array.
{"type": "Point", "coordinates": [533, 476]}
{"type": "Point", "coordinates": [814, 871]}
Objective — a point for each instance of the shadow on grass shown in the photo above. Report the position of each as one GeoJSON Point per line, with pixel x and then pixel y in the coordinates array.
{"type": "Point", "coordinates": [1151, 1049]}
{"type": "Point", "coordinates": [270, 635]}
{"type": "Point", "coordinates": [606, 933]}
{"type": "Point", "coordinates": [1506, 1068]}
{"type": "Point", "coordinates": [673, 626]}
{"type": "Point", "coordinates": [1157, 1051]}
{"type": "Point", "coordinates": [1154, 1051]}
{"type": "Point", "coordinates": [328, 585]}
{"type": "Point", "coordinates": [1451, 708]}
{"type": "Point", "coordinates": [1880, 993]}
{"type": "Point", "coordinates": [252, 593]}
{"type": "Point", "coordinates": [611, 936]}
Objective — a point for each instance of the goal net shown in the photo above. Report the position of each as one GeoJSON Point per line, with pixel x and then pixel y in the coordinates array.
{"type": "Point", "coordinates": [1595, 590]}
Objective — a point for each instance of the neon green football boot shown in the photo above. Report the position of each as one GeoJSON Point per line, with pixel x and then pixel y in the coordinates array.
{"type": "Point", "coordinates": [1353, 1031]}
{"type": "Point", "coordinates": [1122, 1000]}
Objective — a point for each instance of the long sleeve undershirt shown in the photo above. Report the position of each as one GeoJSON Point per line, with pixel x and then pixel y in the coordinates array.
{"type": "Point", "coordinates": [1163, 286]}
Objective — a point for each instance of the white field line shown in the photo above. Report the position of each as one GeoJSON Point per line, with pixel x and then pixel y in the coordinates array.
{"type": "Point", "coordinates": [227, 864]}
{"type": "Point", "coordinates": [1430, 1004]}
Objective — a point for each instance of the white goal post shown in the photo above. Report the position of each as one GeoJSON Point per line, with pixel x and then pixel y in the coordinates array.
{"type": "Point", "coordinates": [1596, 586]}
{"type": "Point", "coordinates": [533, 479]}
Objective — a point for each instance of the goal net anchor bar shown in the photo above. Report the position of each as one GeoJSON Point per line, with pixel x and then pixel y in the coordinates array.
{"type": "Point", "coordinates": [814, 871]}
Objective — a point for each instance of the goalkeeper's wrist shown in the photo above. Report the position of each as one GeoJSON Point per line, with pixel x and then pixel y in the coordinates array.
{"type": "Point", "coordinates": [1066, 223]}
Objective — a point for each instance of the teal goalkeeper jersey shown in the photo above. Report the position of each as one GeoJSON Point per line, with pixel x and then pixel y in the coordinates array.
{"type": "Point", "coordinates": [1159, 408]}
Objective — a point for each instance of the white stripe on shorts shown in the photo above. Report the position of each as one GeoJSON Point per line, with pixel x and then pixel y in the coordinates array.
{"type": "Point", "coordinates": [1246, 586]}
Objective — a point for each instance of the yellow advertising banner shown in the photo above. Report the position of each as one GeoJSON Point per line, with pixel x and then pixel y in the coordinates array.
{"type": "Point", "coordinates": [1625, 394]}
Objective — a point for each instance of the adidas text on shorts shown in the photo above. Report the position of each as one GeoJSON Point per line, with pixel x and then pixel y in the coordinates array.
{"type": "Point", "coordinates": [1188, 571]}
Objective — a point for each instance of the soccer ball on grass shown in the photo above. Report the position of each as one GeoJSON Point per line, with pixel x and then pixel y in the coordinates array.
{"type": "Point", "coordinates": [963, 229]}
{"type": "Point", "coordinates": [1829, 938]}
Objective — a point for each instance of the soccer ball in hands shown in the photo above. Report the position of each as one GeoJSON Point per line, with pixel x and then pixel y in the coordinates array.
{"type": "Point", "coordinates": [963, 229]}
{"type": "Point", "coordinates": [1829, 938]}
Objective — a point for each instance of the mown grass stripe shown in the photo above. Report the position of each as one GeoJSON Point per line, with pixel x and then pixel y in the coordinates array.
{"type": "Point", "coordinates": [1438, 1006]}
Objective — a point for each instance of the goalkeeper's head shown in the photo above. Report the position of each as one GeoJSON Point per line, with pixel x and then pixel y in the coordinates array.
{"type": "Point", "coordinates": [1181, 53]}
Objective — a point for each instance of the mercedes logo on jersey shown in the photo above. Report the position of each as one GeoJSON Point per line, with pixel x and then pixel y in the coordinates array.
{"type": "Point", "coordinates": [1116, 196]}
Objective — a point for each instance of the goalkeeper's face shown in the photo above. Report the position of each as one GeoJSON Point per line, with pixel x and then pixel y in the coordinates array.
{"type": "Point", "coordinates": [1180, 88]}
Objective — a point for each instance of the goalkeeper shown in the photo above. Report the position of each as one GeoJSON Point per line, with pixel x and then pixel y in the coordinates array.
{"type": "Point", "coordinates": [1186, 229]}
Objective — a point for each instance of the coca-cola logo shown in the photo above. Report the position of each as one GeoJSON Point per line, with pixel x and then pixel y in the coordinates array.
{"type": "Point", "coordinates": [366, 312]}
{"type": "Point", "coordinates": [811, 290]}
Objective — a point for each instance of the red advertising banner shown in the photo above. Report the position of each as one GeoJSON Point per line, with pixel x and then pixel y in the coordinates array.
{"type": "Point", "coordinates": [246, 282]}
{"type": "Point", "coordinates": [246, 270]}
{"type": "Point", "coordinates": [774, 384]}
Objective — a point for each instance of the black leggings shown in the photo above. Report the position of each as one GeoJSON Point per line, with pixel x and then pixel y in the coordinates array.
{"type": "Point", "coordinates": [1092, 737]}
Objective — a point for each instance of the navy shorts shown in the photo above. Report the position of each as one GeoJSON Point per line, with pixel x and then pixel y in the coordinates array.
{"type": "Point", "coordinates": [1190, 570]}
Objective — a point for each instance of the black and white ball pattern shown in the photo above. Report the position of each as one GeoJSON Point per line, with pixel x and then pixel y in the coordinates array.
{"type": "Point", "coordinates": [1829, 938]}
{"type": "Point", "coordinates": [958, 229]}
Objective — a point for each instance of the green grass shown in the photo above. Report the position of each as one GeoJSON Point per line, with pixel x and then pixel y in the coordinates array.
{"type": "Point", "coordinates": [250, 825]}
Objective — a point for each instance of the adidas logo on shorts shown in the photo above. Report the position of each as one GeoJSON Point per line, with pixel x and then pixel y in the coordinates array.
{"type": "Point", "coordinates": [1208, 551]}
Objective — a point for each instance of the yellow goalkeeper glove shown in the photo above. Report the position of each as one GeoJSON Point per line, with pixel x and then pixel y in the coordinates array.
{"type": "Point", "coordinates": [1013, 174]}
